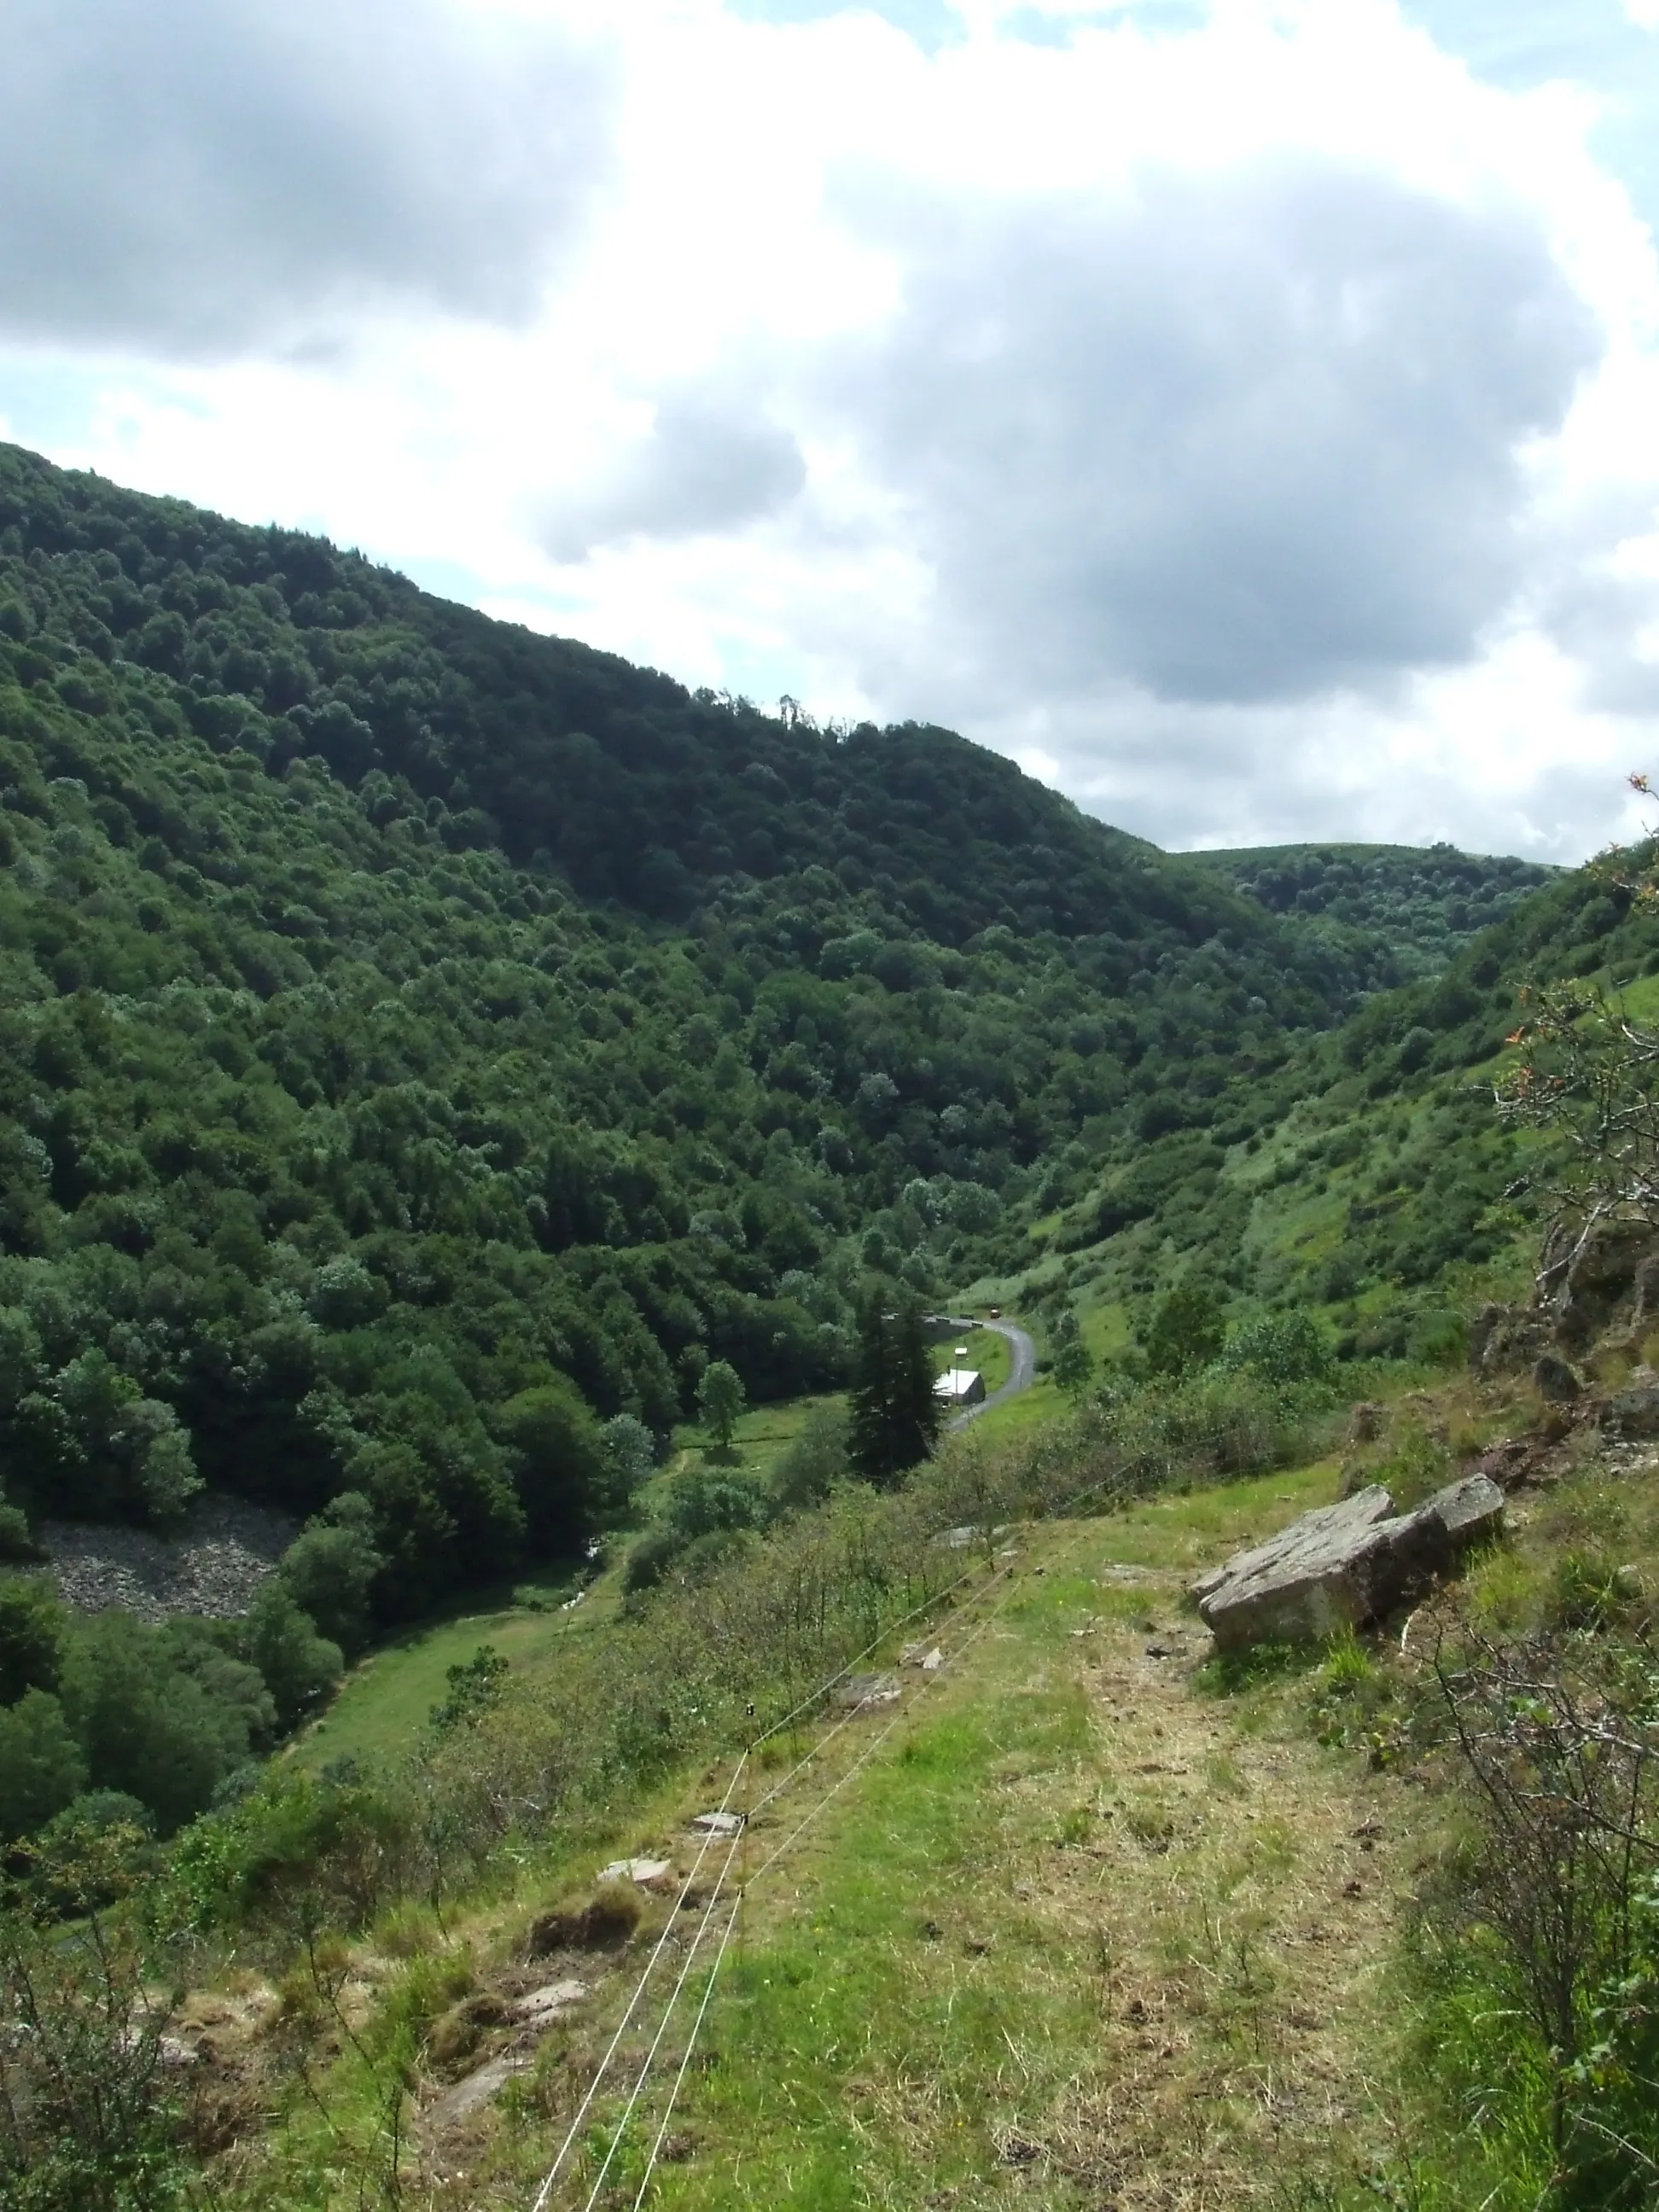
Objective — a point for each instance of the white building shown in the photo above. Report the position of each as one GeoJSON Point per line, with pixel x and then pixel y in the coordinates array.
{"type": "Point", "coordinates": [961, 1386]}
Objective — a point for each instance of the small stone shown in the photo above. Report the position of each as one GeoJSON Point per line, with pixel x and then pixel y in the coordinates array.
{"type": "Point", "coordinates": [718, 1824]}
{"type": "Point", "coordinates": [470, 2096]}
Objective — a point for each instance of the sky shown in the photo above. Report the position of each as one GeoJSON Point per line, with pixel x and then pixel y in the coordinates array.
{"type": "Point", "coordinates": [1242, 413]}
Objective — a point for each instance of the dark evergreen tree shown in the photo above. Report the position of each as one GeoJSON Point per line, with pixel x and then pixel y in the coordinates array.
{"type": "Point", "coordinates": [895, 1414]}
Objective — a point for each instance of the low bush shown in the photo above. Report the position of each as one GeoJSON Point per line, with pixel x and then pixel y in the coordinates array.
{"type": "Point", "coordinates": [1540, 2030]}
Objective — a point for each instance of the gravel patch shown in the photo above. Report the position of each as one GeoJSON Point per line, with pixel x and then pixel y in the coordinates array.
{"type": "Point", "coordinates": [213, 1567]}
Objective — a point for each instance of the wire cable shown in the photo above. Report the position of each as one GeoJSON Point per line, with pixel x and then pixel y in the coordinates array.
{"type": "Point", "coordinates": [822, 1691]}
{"type": "Point", "coordinates": [875, 1643]}
{"type": "Point", "coordinates": [662, 2028]}
{"type": "Point", "coordinates": [867, 1754]}
{"type": "Point", "coordinates": [776, 1728]}
{"type": "Point", "coordinates": [685, 2062]}
{"type": "Point", "coordinates": [864, 1756]}
{"type": "Point", "coordinates": [582, 2110]}
{"type": "Point", "coordinates": [847, 1721]}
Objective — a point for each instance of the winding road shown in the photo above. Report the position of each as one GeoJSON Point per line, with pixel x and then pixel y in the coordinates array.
{"type": "Point", "coordinates": [1021, 1374]}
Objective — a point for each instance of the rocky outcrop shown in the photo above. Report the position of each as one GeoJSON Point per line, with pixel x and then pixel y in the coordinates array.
{"type": "Point", "coordinates": [1589, 1281]}
{"type": "Point", "coordinates": [1503, 1340]}
{"type": "Point", "coordinates": [1592, 1280]}
{"type": "Point", "coordinates": [1345, 1565]}
{"type": "Point", "coordinates": [1632, 1414]}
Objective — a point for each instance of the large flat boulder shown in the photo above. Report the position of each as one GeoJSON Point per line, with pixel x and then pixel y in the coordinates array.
{"type": "Point", "coordinates": [1344, 1565]}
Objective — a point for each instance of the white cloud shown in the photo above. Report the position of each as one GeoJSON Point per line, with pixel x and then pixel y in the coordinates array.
{"type": "Point", "coordinates": [1255, 424]}
{"type": "Point", "coordinates": [213, 174]}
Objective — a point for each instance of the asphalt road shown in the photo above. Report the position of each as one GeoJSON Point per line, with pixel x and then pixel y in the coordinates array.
{"type": "Point", "coordinates": [1021, 1373]}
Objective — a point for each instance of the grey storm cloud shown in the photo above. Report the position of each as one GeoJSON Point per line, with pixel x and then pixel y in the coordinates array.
{"type": "Point", "coordinates": [1248, 437]}
{"type": "Point", "coordinates": [707, 463]}
{"type": "Point", "coordinates": [196, 176]}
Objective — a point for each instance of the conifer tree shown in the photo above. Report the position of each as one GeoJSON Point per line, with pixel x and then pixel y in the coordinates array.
{"type": "Point", "coordinates": [895, 1414]}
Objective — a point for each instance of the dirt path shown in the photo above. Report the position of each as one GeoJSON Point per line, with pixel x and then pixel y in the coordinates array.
{"type": "Point", "coordinates": [1242, 1882]}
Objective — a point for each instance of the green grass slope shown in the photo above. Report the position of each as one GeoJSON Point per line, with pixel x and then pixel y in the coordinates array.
{"type": "Point", "coordinates": [1368, 1175]}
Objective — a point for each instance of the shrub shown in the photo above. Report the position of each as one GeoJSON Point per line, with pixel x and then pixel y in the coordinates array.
{"type": "Point", "coordinates": [331, 1566]}
{"type": "Point", "coordinates": [1187, 1327]}
{"type": "Point", "coordinates": [87, 2121]}
{"type": "Point", "coordinates": [299, 1667]}
{"type": "Point", "coordinates": [33, 1626]}
{"type": "Point", "coordinates": [41, 1765]}
{"type": "Point", "coordinates": [814, 1462]}
{"type": "Point", "coordinates": [1282, 1348]}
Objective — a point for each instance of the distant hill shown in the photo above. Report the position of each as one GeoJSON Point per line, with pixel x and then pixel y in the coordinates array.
{"type": "Point", "coordinates": [1423, 904]}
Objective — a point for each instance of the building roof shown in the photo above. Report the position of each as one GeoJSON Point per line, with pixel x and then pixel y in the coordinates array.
{"type": "Point", "coordinates": [958, 1382]}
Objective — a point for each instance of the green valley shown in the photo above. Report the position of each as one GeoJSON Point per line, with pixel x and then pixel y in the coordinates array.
{"type": "Point", "coordinates": [509, 1117]}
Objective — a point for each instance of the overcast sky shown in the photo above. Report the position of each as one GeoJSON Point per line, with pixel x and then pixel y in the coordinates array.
{"type": "Point", "coordinates": [1246, 416]}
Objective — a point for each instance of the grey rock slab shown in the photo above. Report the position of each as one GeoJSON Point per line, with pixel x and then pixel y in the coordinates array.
{"type": "Point", "coordinates": [717, 1824]}
{"type": "Point", "coordinates": [1345, 1565]}
{"type": "Point", "coordinates": [540, 2008]}
{"type": "Point", "coordinates": [1632, 1413]}
{"type": "Point", "coordinates": [865, 1692]}
{"type": "Point", "coordinates": [645, 1874]}
{"type": "Point", "coordinates": [1328, 1532]}
{"type": "Point", "coordinates": [467, 2097]}
{"type": "Point", "coordinates": [1467, 1511]}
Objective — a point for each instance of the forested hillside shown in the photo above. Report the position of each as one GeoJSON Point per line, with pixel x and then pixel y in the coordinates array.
{"type": "Point", "coordinates": [1374, 1178]}
{"type": "Point", "coordinates": [423, 1039]}
{"type": "Point", "coordinates": [1417, 907]}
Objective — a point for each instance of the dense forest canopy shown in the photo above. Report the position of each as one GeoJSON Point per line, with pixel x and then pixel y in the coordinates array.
{"type": "Point", "coordinates": [1427, 903]}
{"type": "Point", "coordinates": [424, 1040]}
